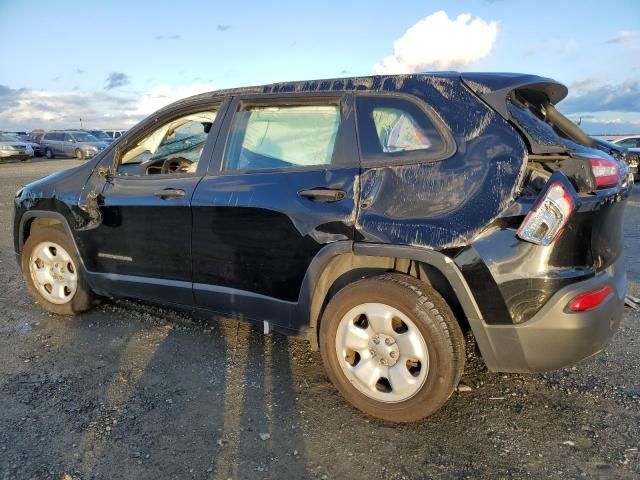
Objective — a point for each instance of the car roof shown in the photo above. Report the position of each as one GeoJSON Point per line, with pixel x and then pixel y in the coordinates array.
{"type": "Point", "coordinates": [490, 81]}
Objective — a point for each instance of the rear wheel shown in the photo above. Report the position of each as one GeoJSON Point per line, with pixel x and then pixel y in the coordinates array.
{"type": "Point", "coordinates": [392, 347]}
{"type": "Point", "coordinates": [48, 153]}
{"type": "Point", "coordinates": [79, 154]}
{"type": "Point", "coordinates": [50, 267]}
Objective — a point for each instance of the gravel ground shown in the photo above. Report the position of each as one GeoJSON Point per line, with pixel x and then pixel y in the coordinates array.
{"type": "Point", "coordinates": [133, 391]}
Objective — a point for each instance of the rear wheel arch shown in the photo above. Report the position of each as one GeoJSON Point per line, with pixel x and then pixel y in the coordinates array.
{"type": "Point", "coordinates": [370, 260]}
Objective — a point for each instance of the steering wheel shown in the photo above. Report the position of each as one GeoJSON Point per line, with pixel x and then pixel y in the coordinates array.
{"type": "Point", "coordinates": [175, 164]}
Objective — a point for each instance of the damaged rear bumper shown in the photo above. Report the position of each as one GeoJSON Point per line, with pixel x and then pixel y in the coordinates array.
{"type": "Point", "coordinates": [555, 338]}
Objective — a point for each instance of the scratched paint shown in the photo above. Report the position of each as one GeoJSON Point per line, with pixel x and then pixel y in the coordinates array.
{"type": "Point", "coordinates": [446, 203]}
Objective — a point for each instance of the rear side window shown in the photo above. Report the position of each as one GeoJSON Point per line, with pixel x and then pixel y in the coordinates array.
{"type": "Point", "coordinates": [273, 137]}
{"type": "Point", "coordinates": [392, 127]}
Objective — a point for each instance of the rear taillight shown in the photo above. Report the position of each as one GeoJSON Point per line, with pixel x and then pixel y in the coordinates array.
{"type": "Point", "coordinates": [589, 300]}
{"type": "Point", "coordinates": [544, 223]}
{"type": "Point", "coordinates": [605, 171]}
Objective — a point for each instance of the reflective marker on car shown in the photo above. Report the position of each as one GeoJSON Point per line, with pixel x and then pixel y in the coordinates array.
{"type": "Point", "coordinates": [589, 300]}
{"type": "Point", "coordinates": [605, 171]}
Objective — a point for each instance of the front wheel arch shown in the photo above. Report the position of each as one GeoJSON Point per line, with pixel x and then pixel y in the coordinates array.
{"type": "Point", "coordinates": [34, 219]}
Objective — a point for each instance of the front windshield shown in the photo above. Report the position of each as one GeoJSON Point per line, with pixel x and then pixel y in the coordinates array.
{"type": "Point", "coordinates": [5, 137]}
{"type": "Point", "coordinates": [99, 134]}
{"type": "Point", "coordinates": [84, 137]}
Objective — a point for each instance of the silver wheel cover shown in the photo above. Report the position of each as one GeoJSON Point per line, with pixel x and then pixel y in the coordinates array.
{"type": "Point", "coordinates": [382, 352]}
{"type": "Point", "coordinates": [53, 273]}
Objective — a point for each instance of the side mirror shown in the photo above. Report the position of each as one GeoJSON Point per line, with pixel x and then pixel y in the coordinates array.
{"type": "Point", "coordinates": [72, 140]}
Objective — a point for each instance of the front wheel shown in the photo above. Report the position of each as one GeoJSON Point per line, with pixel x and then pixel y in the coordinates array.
{"type": "Point", "coordinates": [50, 267]}
{"type": "Point", "coordinates": [79, 154]}
{"type": "Point", "coordinates": [48, 153]}
{"type": "Point", "coordinates": [392, 347]}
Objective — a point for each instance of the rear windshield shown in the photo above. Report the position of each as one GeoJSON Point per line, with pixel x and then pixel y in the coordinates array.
{"type": "Point", "coordinates": [530, 117]}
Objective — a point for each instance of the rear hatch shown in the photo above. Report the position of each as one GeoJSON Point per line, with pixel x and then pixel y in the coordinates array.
{"type": "Point", "coordinates": [574, 192]}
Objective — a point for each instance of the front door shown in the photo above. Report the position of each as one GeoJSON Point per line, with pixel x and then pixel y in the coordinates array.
{"type": "Point", "coordinates": [143, 241]}
{"type": "Point", "coordinates": [282, 188]}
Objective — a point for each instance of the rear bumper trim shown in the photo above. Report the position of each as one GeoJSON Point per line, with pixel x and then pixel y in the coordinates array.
{"type": "Point", "coordinates": [555, 338]}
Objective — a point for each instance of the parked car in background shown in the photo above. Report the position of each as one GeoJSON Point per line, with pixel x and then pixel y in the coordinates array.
{"type": "Point", "coordinates": [114, 133]}
{"type": "Point", "coordinates": [630, 156]}
{"type": "Point", "coordinates": [101, 135]}
{"type": "Point", "coordinates": [37, 134]}
{"type": "Point", "coordinates": [37, 151]}
{"type": "Point", "coordinates": [380, 217]}
{"type": "Point", "coordinates": [12, 149]}
{"type": "Point", "coordinates": [632, 141]}
{"type": "Point", "coordinates": [70, 144]}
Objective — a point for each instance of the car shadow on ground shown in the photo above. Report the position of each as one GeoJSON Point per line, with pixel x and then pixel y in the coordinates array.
{"type": "Point", "coordinates": [212, 401]}
{"type": "Point", "coordinates": [131, 391]}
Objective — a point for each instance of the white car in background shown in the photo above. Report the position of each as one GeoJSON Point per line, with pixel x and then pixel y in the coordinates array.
{"type": "Point", "coordinates": [631, 141]}
{"type": "Point", "coordinates": [114, 133]}
{"type": "Point", "coordinates": [12, 149]}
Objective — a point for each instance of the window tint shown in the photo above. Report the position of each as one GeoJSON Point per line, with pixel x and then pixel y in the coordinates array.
{"type": "Point", "coordinates": [174, 147]}
{"type": "Point", "coordinates": [395, 127]}
{"type": "Point", "coordinates": [282, 137]}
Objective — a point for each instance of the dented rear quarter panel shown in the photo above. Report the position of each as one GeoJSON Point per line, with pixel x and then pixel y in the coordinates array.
{"type": "Point", "coordinates": [444, 204]}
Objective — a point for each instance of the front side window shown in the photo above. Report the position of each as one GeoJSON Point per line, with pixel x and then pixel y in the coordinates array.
{"type": "Point", "coordinates": [273, 137]}
{"type": "Point", "coordinates": [174, 147]}
{"type": "Point", "coordinates": [395, 127]}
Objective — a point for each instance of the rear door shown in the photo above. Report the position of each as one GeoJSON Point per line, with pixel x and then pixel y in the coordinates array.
{"type": "Point", "coordinates": [53, 142]}
{"type": "Point", "coordinates": [281, 187]}
{"type": "Point", "coordinates": [57, 143]}
{"type": "Point", "coordinates": [68, 145]}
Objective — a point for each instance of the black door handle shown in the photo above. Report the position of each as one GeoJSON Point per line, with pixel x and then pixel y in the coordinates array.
{"type": "Point", "coordinates": [169, 193]}
{"type": "Point", "coordinates": [323, 194]}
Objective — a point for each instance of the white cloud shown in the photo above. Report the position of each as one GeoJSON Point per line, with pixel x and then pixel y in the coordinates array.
{"type": "Point", "coordinates": [622, 36]}
{"type": "Point", "coordinates": [588, 84]}
{"type": "Point", "coordinates": [440, 43]}
{"type": "Point", "coordinates": [163, 95]}
{"type": "Point", "coordinates": [621, 97]}
{"type": "Point", "coordinates": [26, 109]}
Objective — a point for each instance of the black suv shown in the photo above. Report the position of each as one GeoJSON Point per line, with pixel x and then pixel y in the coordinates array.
{"type": "Point", "coordinates": [379, 217]}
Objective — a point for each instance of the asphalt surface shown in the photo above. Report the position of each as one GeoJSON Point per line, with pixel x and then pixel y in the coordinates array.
{"type": "Point", "coordinates": [134, 391]}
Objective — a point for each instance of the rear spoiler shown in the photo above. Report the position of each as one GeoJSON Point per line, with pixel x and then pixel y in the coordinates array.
{"type": "Point", "coordinates": [494, 88]}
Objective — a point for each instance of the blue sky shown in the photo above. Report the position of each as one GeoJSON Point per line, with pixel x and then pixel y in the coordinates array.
{"type": "Point", "coordinates": [114, 62]}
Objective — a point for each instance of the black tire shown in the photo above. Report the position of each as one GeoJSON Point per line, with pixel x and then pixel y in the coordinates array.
{"type": "Point", "coordinates": [49, 154]}
{"type": "Point", "coordinates": [83, 299]}
{"type": "Point", "coordinates": [79, 154]}
{"type": "Point", "coordinates": [434, 320]}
